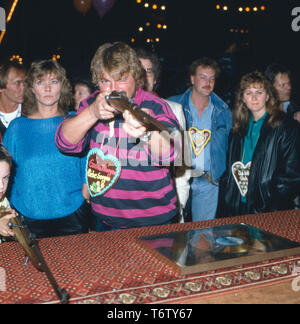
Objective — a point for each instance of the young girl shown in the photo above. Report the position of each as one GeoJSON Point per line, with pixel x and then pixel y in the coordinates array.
{"type": "Point", "coordinates": [5, 166]}
{"type": "Point", "coordinates": [263, 161]}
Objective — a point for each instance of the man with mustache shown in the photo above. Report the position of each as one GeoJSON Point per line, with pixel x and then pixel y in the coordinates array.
{"type": "Point", "coordinates": [208, 122]}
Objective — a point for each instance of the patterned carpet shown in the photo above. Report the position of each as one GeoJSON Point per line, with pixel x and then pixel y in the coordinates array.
{"type": "Point", "coordinates": [112, 268]}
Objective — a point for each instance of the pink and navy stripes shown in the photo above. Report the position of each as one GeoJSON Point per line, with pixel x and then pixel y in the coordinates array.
{"type": "Point", "coordinates": [144, 194]}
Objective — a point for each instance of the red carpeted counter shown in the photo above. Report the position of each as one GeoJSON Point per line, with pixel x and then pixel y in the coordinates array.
{"type": "Point", "coordinates": [112, 268]}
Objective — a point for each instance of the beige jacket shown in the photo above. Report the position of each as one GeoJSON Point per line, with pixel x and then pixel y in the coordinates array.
{"type": "Point", "coordinates": [182, 176]}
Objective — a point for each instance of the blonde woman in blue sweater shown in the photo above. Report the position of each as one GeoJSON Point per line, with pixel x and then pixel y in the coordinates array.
{"type": "Point", "coordinates": [47, 184]}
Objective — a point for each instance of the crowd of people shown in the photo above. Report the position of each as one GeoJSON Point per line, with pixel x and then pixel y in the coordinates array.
{"type": "Point", "coordinates": [75, 163]}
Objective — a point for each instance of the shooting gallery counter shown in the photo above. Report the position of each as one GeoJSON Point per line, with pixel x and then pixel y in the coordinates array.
{"type": "Point", "coordinates": [114, 268]}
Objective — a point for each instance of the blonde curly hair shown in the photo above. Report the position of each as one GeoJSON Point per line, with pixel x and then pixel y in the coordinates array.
{"type": "Point", "coordinates": [117, 59]}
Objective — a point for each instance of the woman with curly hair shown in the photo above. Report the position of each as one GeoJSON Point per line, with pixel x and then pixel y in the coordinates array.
{"type": "Point", "coordinates": [47, 184]}
{"type": "Point", "coordinates": [263, 161]}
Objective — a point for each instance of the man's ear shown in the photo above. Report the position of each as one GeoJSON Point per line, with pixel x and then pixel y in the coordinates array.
{"type": "Point", "coordinates": [192, 78]}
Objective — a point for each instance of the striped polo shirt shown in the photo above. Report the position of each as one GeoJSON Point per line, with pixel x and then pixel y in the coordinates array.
{"type": "Point", "coordinates": [144, 194]}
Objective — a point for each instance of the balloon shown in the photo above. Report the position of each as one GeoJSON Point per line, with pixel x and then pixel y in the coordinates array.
{"type": "Point", "coordinates": [103, 6]}
{"type": "Point", "coordinates": [83, 6]}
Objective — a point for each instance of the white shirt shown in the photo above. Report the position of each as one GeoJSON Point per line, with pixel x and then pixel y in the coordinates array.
{"type": "Point", "coordinates": [285, 106]}
{"type": "Point", "coordinates": [7, 118]}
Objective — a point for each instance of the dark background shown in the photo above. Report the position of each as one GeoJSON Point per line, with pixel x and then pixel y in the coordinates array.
{"type": "Point", "coordinates": [41, 28]}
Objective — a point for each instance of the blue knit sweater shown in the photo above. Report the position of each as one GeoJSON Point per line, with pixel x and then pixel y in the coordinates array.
{"type": "Point", "coordinates": [47, 184]}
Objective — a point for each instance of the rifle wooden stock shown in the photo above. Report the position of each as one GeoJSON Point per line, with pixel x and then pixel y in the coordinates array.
{"type": "Point", "coordinates": [33, 252]}
{"type": "Point", "coordinates": [23, 236]}
{"type": "Point", "coordinates": [121, 103]}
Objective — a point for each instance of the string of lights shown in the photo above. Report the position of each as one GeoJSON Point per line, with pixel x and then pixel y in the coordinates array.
{"type": "Point", "coordinates": [16, 58]}
{"type": "Point", "coordinates": [156, 5]}
{"type": "Point", "coordinates": [244, 8]}
{"type": "Point", "coordinates": [154, 24]}
{"type": "Point", "coordinates": [243, 12]}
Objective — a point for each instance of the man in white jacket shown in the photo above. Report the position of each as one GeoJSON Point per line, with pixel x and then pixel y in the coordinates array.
{"type": "Point", "coordinates": [151, 64]}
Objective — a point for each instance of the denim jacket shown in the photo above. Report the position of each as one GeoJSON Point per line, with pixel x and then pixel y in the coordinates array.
{"type": "Point", "coordinates": [220, 129]}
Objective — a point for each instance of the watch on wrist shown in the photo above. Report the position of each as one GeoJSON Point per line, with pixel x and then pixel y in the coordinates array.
{"type": "Point", "coordinates": [145, 138]}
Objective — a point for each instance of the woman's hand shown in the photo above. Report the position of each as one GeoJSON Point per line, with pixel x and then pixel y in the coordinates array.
{"type": "Point", "coordinates": [4, 229]}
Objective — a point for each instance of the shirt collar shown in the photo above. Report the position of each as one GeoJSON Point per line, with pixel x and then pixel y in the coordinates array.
{"type": "Point", "coordinates": [260, 121]}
